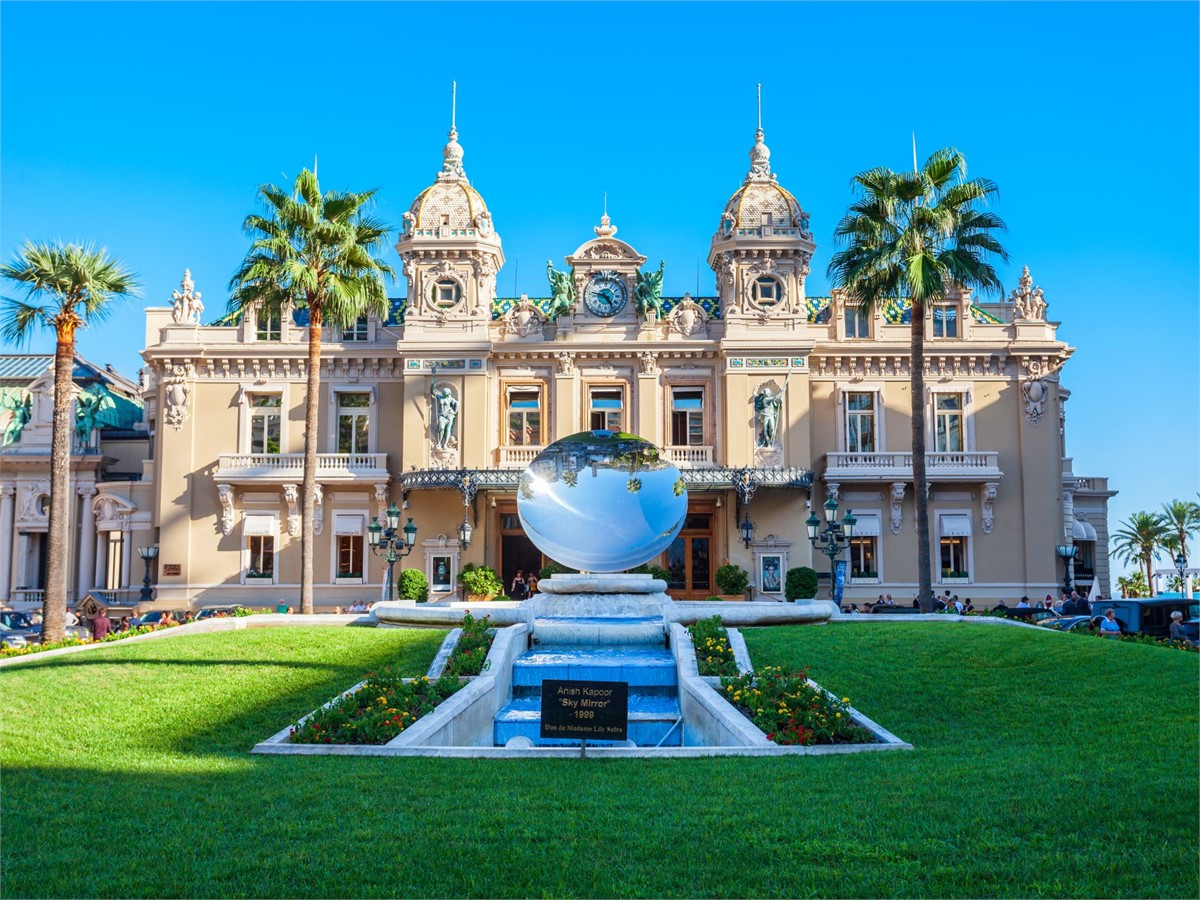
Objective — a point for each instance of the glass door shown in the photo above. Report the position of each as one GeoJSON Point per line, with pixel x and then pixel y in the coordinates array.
{"type": "Point", "coordinates": [689, 559]}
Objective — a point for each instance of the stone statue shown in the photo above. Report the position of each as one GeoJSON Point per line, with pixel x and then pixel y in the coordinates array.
{"type": "Point", "coordinates": [16, 409]}
{"type": "Point", "coordinates": [768, 405]}
{"type": "Point", "coordinates": [562, 292]}
{"type": "Point", "coordinates": [445, 406]}
{"type": "Point", "coordinates": [187, 307]}
{"type": "Point", "coordinates": [648, 292]}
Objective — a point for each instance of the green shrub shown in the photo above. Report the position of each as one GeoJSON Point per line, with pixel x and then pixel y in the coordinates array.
{"type": "Point", "coordinates": [801, 584]}
{"type": "Point", "coordinates": [732, 579]}
{"type": "Point", "coordinates": [553, 568]}
{"type": "Point", "coordinates": [384, 706]}
{"type": "Point", "coordinates": [413, 585]}
{"type": "Point", "coordinates": [653, 571]}
{"type": "Point", "coordinates": [790, 710]}
{"type": "Point", "coordinates": [480, 580]}
{"type": "Point", "coordinates": [712, 598]}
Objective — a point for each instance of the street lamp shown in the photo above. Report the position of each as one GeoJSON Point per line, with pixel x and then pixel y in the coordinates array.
{"type": "Point", "coordinates": [833, 538]}
{"type": "Point", "coordinates": [464, 532]}
{"type": "Point", "coordinates": [1181, 567]}
{"type": "Point", "coordinates": [148, 555]}
{"type": "Point", "coordinates": [1066, 552]}
{"type": "Point", "coordinates": [392, 543]}
{"type": "Point", "coordinates": [747, 529]}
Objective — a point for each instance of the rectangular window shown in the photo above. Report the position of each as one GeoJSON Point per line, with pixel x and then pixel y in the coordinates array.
{"type": "Point", "coordinates": [265, 419]}
{"type": "Point", "coordinates": [524, 416]}
{"type": "Point", "coordinates": [348, 532]}
{"type": "Point", "coordinates": [354, 422]}
{"type": "Point", "coordinates": [114, 559]}
{"type": "Point", "coordinates": [687, 416]}
{"type": "Point", "coordinates": [269, 326]}
{"type": "Point", "coordinates": [945, 321]}
{"type": "Point", "coordinates": [860, 422]}
{"type": "Point", "coordinates": [858, 324]}
{"type": "Point", "coordinates": [442, 570]}
{"type": "Point", "coordinates": [356, 333]}
{"type": "Point", "coordinates": [863, 559]}
{"type": "Point", "coordinates": [606, 408]}
{"type": "Point", "coordinates": [948, 420]}
{"type": "Point", "coordinates": [262, 556]}
{"type": "Point", "coordinates": [954, 557]}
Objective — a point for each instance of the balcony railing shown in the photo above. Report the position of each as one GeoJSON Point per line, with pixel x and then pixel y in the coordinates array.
{"type": "Point", "coordinates": [290, 467]}
{"type": "Point", "coordinates": [28, 595]}
{"type": "Point", "coordinates": [690, 457]}
{"type": "Point", "coordinates": [518, 457]}
{"type": "Point", "coordinates": [961, 465]}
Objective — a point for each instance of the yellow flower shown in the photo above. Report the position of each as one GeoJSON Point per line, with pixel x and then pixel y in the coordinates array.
{"type": "Point", "coordinates": [845, 699]}
{"type": "Point", "coordinates": [839, 715]}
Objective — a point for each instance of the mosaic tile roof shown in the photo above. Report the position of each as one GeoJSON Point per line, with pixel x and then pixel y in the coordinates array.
{"type": "Point", "coordinates": [895, 312]}
{"type": "Point", "coordinates": [502, 305]}
{"type": "Point", "coordinates": [396, 306]}
{"type": "Point", "coordinates": [29, 366]}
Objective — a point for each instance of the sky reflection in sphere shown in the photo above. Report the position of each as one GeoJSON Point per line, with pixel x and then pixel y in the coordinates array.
{"type": "Point", "coordinates": [601, 501]}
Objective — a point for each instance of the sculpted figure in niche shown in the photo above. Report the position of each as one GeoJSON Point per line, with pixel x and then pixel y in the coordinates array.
{"type": "Point", "coordinates": [562, 292]}
{"type": "Point", "coordinates": [445, 407]}
{"type": "Point", "coordinates": [768, 406]}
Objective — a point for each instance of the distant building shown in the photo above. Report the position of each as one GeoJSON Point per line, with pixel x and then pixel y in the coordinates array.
{"type": "Point", "coordinates": [110, 512]}
{"type": "Point", "coordinates": [768, 399]}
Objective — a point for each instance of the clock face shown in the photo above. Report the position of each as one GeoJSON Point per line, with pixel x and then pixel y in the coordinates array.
{"type": "Point", "coordinates": [604, 295]}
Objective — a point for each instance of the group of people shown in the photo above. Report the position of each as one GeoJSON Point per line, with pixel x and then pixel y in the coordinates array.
{"type": "Point", "coordinates": [523, 585]}
{"type": "Point", "coordinates": [1071, 604]}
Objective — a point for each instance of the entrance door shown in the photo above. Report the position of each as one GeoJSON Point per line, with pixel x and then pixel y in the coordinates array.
{"type": "Point", "coordinates": [689, 558]}
{"type": "Point", "coordinates": [516, 549]}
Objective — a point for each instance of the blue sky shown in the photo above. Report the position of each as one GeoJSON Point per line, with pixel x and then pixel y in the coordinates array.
{"type": "Point", "coordinates": [147, 128]}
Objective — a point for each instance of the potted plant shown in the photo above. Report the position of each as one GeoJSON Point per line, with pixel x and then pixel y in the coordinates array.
{"type": "Point", "coordinates": [801, 584]}
{"type": "Point", "coordinates": [732, 582]}
{"type": "Point", "coordinates": [479, 583]}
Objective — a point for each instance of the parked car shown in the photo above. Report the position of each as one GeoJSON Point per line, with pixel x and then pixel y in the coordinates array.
{"type": "Point", "coordinates": [10, 637]}
{"type": "Point", "coordinates": [1069, 623]}
{"type": "Point", "coordinates": [20, 623]}
{"type": "Point", "coordinates": [1028, 614]}
{"type": "Point", "coordinates": [1152, 615]}
{"type": "Point", "coordinates": [153, 617]}
{"type": "Point", "coordinates": [209, 612]}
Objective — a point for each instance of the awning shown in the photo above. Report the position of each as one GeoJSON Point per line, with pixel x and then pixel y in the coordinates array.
{"type": "Point", "coordinates": [1082, 531]}
{"type": "Point", "coordinates": [867, 525]}
{"type": "Point", "coordinates": [259, 525]}
{"type": "Point", "coordinates": [956, 526]}
{"type": "Point", "coordinates": [343, 524]}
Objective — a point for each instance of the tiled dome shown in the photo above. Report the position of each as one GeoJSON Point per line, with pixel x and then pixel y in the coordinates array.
{"type": "Point", "coordinates": [761, 194]}
{"type": "Point", "coordinates": [450, 200]}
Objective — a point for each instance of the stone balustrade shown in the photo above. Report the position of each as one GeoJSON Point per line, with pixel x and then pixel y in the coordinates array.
{"type": "Point", "coordinates": [270, 467]}
{"type": "Point", "coordinates": [960, 465]}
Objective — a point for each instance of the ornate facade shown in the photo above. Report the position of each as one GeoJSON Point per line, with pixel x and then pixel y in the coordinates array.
{"type": "Point", "coordinates": [769, 400]}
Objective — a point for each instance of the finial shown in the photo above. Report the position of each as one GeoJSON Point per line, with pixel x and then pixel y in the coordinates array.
{"type": "Point", "coordinates": [760, 106]}
{"type": "Point", "coordinates": [760, 155]}
{"type": "Point", "coordinates": [606, 203]}
{"type": "Point", "coordinates": [452, 154]}
{"type": "Point", "coordinates": [605, 228]}
{"type": "Point", "coordinates": [453, 109]}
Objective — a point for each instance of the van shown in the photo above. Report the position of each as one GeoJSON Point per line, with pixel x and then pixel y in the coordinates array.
{"type": "Point", "coordinates": [1152, 616]}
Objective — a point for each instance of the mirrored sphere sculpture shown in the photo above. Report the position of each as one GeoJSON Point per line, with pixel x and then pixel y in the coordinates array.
{"type": "Point", "coordinates": [601, 501]}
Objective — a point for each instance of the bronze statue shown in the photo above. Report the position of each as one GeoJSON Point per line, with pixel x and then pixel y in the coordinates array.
{"type": "Point", "coordinates": [562, 292]}
{"type": "Point", "coordinates": [648, 293]}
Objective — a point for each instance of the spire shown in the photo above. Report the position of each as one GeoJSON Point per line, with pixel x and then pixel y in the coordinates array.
{"type": "Point", "coordinates": [452, 154]}
{"type": "Point", "coordinates": [760, 155]}
{"type": "Point", "coordinates": [605, 228]}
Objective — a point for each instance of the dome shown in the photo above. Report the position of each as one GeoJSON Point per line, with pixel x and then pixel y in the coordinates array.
{"type": "Point", "coordinates": [450, 201]}
{"type": "Point", "coordinates": [761, 195]}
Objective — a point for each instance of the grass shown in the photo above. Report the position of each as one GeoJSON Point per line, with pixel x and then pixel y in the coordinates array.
{"type": "Point", "coordinates": [1044, 766]}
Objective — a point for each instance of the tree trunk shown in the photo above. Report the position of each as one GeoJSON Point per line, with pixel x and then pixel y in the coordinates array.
{"type": "Point", "coordinates": [58, 549]}
{"type": "Point", "coordinates": [920, 483]}
{"type": "Point", "coordinates": [309, 490]}
{"type": "Point", "coordinates": [1149, 573]}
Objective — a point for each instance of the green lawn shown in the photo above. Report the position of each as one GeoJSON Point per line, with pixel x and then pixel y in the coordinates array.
{"type": "Point", "coordinates": [1045, 765]}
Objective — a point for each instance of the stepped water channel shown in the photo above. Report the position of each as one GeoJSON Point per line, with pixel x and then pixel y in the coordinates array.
{"type": "Point", "coordinates": [619, 635]}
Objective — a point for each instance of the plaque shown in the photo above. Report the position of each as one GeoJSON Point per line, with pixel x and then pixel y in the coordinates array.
{"type": "Point", "coordinates": [585, 710]}
{"type": "Point", "coordinates": [172, 569]}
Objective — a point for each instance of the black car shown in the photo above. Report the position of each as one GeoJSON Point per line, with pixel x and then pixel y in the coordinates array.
{"type": "Point", "coordinates": [1070, 623]}
{"type": "Point", "coordinates": [1031, 614]}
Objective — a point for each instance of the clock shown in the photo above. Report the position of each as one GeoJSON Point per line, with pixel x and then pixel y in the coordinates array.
{"type": "Point", "coordinates": [605, 294]}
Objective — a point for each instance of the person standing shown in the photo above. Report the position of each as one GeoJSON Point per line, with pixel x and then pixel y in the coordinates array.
{"type": "Point", "coordinates": [1109, 626]}
{"type": "Point", "coordinates": [1177, 632]}
{"type": "Point", "coordinates": [101, 625]}
{"type": "Point", "coordinates": [519, 587]}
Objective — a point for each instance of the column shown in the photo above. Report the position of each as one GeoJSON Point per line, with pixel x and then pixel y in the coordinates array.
{"type": "Point", "coordinates": [7, 505]}
{"type": "Point", "coordinates": [87, 542]}
{"type": "Point", "coordinates": [126, 555]}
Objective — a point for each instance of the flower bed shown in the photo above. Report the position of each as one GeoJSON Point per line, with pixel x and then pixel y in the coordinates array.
{"type": "Point", "coordinates": [470, 653]}
{"type": "Point", "coordinates": [77, 642]}
{"type": "Point", "coordinates": [384, 706]}
{"type": "Point", "coordinates": [714, 656]}
{"type": "Point", "coordinates": [791, 710]}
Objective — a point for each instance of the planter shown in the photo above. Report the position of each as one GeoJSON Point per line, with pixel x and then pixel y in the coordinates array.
{"type": "Point", "coordinates": [732, 597]}
{"type": "Point", "coordinates": [480, 598]}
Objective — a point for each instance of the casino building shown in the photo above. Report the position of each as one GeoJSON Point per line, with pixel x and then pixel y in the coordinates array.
{"type": "Point", "coordinates": [769, 400]}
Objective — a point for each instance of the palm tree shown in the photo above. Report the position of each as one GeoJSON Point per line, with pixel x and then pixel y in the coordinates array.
{"type": "Point", "coordinates": [1182, 517]}
{"type": "Point", "coordinates": [915, 237]}
{"type": "Point", "coordinates": [1139, 539]}
{"type": "Point", "coordinates": [314, 251]}
{"type": "Point", "coordinates": [67, 287]}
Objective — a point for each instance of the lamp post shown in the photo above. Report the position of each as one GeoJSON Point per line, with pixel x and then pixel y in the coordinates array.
{"type": "Point", "coordinates": [1181, 567]}
{"type": "Point", "coordinates": [1066, 552]}
{"type": "Point", "coordinates": [392, 543]}
{"type": "Point", "coordinates": [833, 538]}
{"type": "Point", "coordinates": [746, 529]}
{"type": "Point", "coordinates": [148, 555]}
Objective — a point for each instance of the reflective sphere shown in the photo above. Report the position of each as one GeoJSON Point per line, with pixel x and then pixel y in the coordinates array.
{"type": "Point", "coordinates": [601, 501]}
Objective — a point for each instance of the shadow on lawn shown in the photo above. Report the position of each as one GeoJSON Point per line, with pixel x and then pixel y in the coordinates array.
{"type": "Point", "coordinates": [73, 661]}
